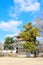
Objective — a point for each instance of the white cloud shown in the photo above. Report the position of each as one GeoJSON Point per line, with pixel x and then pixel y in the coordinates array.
{"type": "Point", "coordinates": [10, 26]}
{"type": "Point", "coordinates": [27, 5]}
{"type": "Point", "coordinates": [24, 6]}
{"type": "Point", "coordinates": [40, 39]}
{"type": "Point", "coordinates": [11, 35]}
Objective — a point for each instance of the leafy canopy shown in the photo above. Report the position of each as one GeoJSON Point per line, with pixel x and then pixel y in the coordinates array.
{"type": "Point", "coordinates": [8, 42]}
{"type": "Point", "coordinates": [29, 34]}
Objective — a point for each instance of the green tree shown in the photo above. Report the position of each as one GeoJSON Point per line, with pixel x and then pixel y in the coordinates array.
{"type": "Point", "coordinates": [29, 34]}
{"type": "Point", "coordinates": [29, 46]}
{"type": "Point", "coordinates": [8, 42]}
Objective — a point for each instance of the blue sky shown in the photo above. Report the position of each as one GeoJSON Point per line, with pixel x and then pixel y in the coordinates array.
{"type": "Point", "coordinates": [15, 13]}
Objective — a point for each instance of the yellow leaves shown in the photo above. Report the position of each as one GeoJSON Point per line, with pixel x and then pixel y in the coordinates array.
{"type": "Point", "coordinates": [28, 26]}
{"type": "Point", "coordinates": [29, 46]}
{"type": "Point", "coordinates": [35, 32]}
{"type": "Point", "coordinates": [29, 34]}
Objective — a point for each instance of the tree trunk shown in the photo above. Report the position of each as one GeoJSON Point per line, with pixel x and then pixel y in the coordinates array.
{"type": "Point", "coordinates": [35, 54]}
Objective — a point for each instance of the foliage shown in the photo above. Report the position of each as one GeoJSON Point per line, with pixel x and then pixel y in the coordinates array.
{"type": "Point", "coordinates": [29, 34]}
{"type": "Point", "coordinates": [29, 46]}
{"type": "Point", "coordinates": [8, 42]}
